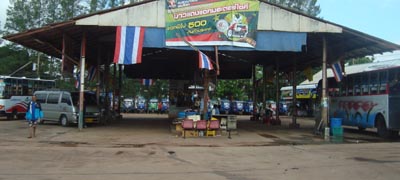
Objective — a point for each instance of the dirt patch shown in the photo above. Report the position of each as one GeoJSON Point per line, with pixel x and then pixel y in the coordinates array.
{"type": "Point", "coordinates": [267, 135]}
{"type": "Point", "coordinates": [66, 143]}
{"type": "Point", "coordinates": [119, 152]}
{"type": "Point", "coordinates": [132, 145]}
{"type": "Point", "coordinates": [373, 160]}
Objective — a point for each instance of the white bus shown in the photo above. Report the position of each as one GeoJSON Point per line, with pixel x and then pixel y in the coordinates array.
{"type": "Point", "coordinates": [368, 99]}
{"type": "Point", "coordinates": [16, 92]}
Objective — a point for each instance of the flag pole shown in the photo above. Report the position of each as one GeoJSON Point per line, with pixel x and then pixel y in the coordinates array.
{"type": "Point", "coordinates": [206, 77]}
{"type": "Point", "coordinates": [216, 59]}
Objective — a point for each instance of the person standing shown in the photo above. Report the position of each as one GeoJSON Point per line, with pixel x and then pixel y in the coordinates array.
{"type": "Point", "coordinates": [215, 110]}
{"type": "Point", "coordinates": [33, 115]}
{"type": "Point", "coordinates": [159, 107]}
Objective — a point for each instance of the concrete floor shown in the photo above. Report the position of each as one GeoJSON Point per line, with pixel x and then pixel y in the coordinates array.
{"type": "Point", "coordinates": [143, 146]}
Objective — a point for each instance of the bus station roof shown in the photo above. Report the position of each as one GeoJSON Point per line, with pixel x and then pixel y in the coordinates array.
{"type": "Point", "coordinates": [284, 37]}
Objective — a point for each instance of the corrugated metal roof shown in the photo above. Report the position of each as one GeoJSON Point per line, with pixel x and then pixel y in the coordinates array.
{"type": "Point", "coordinates": [101, 39]}
{"type": "Point", "coordinates": [271, 18]}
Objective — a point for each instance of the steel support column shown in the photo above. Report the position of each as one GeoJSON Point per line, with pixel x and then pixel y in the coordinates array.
{"type": "Point", "coordinates": [82, 83]}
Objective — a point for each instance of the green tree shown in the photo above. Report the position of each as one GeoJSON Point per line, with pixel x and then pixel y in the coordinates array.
{"type": "Point", "coordinates": [362, 60]}
{"type": "Point", "coordinates": [308, 7]}
{"type": "Point", "coordinates": [12, 59]}
{"type": "Point", "coordinates": [23, 15]}
{"type": "Point", "coordinates": [70, 9]}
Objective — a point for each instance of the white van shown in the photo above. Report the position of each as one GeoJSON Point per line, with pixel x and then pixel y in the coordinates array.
{"type": "Point", "coordinates": [62, 107]}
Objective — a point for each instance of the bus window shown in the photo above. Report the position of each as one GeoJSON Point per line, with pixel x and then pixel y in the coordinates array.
{"type": "Point", "coordinates": [357, 85]}
{"type": "Point", "coordinates": [364, 84]}
{"type": "Point", "coordinates": [342, 87]}
{"type": "Point", "coordinates": [393, 77]}
{"type": "Point", "coordinates": [373, 83]}
{"type": "Point", "coordinates": [383, 77]}
{"type": "Point", "coordinates": [394, 84]}
{"type": "Point", "coordinates": [332, 87]}
{"type": "Point", "coordinates": [350, 85]}
{"type": "Point", "coordinates": [2, 88]}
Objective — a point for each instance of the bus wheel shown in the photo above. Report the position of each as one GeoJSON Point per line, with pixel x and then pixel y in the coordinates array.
{"type": "Point", "coordinates": [381, 126]}
{"type": "Point", "coordinates": [64, 121]}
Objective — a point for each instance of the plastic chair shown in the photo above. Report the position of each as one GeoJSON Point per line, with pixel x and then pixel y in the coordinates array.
{"type": "Point", "coordinates": [212, 127]}
{"type": "Point", "coordinates": [187, 124]}
{"type": "Point", "coordinates": [201, 125]}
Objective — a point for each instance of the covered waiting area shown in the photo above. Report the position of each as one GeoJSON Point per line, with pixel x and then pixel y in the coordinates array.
{"type": "Point", "coordinates": [287, 41]}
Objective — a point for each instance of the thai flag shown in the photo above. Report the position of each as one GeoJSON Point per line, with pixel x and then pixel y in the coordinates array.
{"type": "Point", "coordinates": [91, 73]}
{"type": "Point", "coordinates": [337, 71]}
{"type": "Point", "coordinates": [128, 45]}
{"type": "Point", "coordinates": [147, 82]}
{"type": "Point", "coordinates": [204, 61]}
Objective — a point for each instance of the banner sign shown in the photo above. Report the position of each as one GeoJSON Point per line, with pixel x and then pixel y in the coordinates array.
{"type": "Point", "coordinates": [211, 22]}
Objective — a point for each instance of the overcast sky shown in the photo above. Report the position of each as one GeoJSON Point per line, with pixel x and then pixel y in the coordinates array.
{"type": "Point", "coordinates": [375, 17]}
{"type": "Point", "coordinates": [3, 8]}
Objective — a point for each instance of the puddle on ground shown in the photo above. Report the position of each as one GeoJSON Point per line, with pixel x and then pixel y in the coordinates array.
{"type": "Point", "coordinates": [267, 135]}
{"type": "Point", "coordinates": [129, 145]}
{"type": "Point", "coordinates": [65, 143]}
{"type": "Point", "coordinates": [368, 140]}
{"type": "Point", "coordinates": [373, 160]}
{"type": "Point", "coordinates": [132, 145]}
{"type": "Point", "coordinates": [119, 152]}
{"type": "Point", "coordinates": [199, 145]}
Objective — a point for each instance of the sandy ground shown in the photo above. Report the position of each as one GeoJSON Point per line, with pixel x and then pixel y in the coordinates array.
{"type": "Point", "coordinates": [143, 146]}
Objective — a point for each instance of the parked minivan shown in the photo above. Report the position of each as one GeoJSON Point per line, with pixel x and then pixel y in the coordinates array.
{"type": "Point", "coordinates": [62, 106]}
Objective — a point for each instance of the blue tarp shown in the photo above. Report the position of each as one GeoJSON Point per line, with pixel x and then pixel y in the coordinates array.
{"type": "Point", "coordinates": [266, 41]}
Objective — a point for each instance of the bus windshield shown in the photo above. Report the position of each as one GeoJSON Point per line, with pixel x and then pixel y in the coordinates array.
{"type": "Point", "coordinates": [2, 85]}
